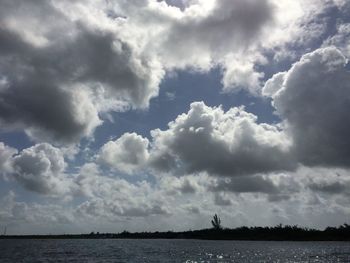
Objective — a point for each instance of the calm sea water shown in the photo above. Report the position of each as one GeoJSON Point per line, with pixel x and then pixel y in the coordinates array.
{"type": "Point", "coordinates": [114, 250]}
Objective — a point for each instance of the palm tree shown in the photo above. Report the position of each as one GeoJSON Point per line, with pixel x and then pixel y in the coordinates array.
{"type": "Point", "coordinates": [216, 222]}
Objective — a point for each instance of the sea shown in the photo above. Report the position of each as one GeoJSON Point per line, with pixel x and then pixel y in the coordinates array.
{"type": "Point", "coordinates": [126, 250]}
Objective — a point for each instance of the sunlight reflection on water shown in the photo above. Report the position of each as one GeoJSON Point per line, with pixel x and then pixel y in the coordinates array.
{"type": "Point", "coordinates": [190, 251]}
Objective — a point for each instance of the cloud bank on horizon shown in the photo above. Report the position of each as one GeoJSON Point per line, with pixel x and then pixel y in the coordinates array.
{"type": "Point", "coordinates": [70, 68]}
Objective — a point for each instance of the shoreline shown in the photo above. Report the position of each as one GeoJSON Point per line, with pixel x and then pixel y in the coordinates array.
{"type": "Point", "coordinates": [118, 238]}
{"type": "Point", "coordinates": [277, 233]}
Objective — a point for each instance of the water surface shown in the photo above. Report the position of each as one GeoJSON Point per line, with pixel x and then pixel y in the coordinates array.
{"type": "Point", "coordinates": [117, 250]}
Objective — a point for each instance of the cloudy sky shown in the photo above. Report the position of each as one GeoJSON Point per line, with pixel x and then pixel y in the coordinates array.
{"type": "Point", "coordinates": [154, 115]}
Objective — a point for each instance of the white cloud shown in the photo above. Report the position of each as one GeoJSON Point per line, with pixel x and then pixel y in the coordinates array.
{"type": "Point", "coordinates": [92, 57]}
{"type": "Point", "coordinates": [231, 34]}
{"type": "Point", "coordinates": [6, 154]}
{"type": "Point", "coordinates": [221, 200]}
{"type": "Point", "coordinates": [111, 197]}
{"type": "Point", "coordinates": [306, 194]}
{"type": "Point", "coordinates": [128, 154]}
{"type": "Point", "coordinates": [274, 84]}
{"type": "Point", "coordinates": [341, 39]}
{"type": "Point", "coordinates": [41, 169]}
{"type": "Point", "coordinates": [60, 78]}
{"type": "Point", "coordinates": [190, 184]}
{"type": "Point", "coordinates": [24, 217]}
{"type": "Point", "coordinates": [312, 98]}
{"type": "Point", "coordinates": [228, 143]}
{"type": "Point", "coordinates": [111, 209]}
{"type": "Point", "coordinates": [241, 75]}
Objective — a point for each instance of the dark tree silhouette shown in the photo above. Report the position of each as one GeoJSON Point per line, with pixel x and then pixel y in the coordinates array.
{"type": "Point", "coordinates": [279, 232]}
{"type": "Point", "coordinates": [216, 222]}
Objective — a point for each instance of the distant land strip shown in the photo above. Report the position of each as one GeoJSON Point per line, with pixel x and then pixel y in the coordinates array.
{"type": "Point", "coordinates": [277, 233]}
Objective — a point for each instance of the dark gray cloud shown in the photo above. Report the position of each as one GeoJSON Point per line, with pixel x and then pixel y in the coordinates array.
{"type": "Point", "coordinates": [61, 68]}
{"type": "Point", "coordinates": [313, 99]}
{"type": "Point", "coordinates": [330, 188]}
{"type": "Point", "coordinates": [227, 25]}
{"type": "Point", "coordinates": [172, 185]}
{"type": "Point", "coordinates": [221, 200]}
{"type": "Point", "coordinates": [278, 197]}
{"type": "Point", "coordinates": [330, 182]}
{"type": "Point", "coordinates": [246, 184]}
{"type": "Point", "coordinates": [231, 34]}
{"type": "Point", "coordinates": [187, 187]}
{"type": "Point", "coordinates": [220, 143]}
{"type": "Point", "coordinates": [341, 38]}
{"type": "Point", "coordinates": [52, 78]}
{"type": "Point", "coordinates": [65, 63]}
{"type": "Point", "coordinates": [182, 4]}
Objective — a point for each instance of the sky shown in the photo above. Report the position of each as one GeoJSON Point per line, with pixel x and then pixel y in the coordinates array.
{"type": "Point", "coordinates": [153, 115]}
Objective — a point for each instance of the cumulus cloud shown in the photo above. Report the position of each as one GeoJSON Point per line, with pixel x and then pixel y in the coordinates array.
{"type": "Point", "coordinates": [191, 209]}
{"type": "Point", "coordinates": [330, 188]}
{"type": "Point", "coordinates": [189, 184]}
{"type": "Point", "coordinates": [216, 27]}
{"type": "Point", "coordinates": [312, 98]}
{"type": "Point", "coordinates": [6, 154]}
{"type": "Point", "coordinates": [41, 169]}
{"type": "Point", "coordinates": [114, 197]}
{"type": "Point", "coordinates": [329, 182]}
{"type": "Point", "coordinates": [241, 75]}
{"type": "Point", "coordinates": [221, 200]}
{"type": "Point", "coordinates": [65, 63]}
{"type": "Point", "coordinates": [127, 154]}
{"type": "Point", "coordinates": [32, 93]}
{"type": "Point", "coordinates": [17, 215]}
{"type": "Point", "coordinates": [111, 209]}
{"type": "Point", "coordinates": [317, 185]}
{"type": "Point", "coordinates": [233, 35]}
{"type": "Point", "coordinates": [340, 39]}
{"type": "Point", "coordinates": [107, 200]}
{"type": "Point", "coordinates": [250, 184]}
{"type": "Point", "coordinates": [56, 80]}
{"type": "Point", "coordinates": [228, 143]}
